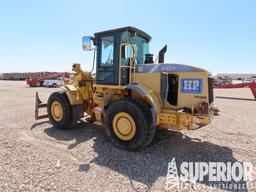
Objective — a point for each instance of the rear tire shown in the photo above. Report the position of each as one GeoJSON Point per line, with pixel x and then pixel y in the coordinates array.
{"type": "Point", "coordinates": [61, 114]}
{"type": "Point", "coordinates": [138, 116]}
{"type": "Point", "coordinates": [54, 85]}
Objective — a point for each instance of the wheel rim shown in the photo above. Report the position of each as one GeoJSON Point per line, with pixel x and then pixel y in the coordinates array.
{"type": "Point", "coordinates": [124, 126]}
{"type": "Point", "coordinates": [56, 111]}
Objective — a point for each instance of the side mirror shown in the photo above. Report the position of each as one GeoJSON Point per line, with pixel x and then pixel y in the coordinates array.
{"type": "Point", "coordinates": [86, 43]}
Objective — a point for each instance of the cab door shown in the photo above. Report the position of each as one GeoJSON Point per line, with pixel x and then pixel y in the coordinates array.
{"type": "Point", "coordinates": [107, 60]}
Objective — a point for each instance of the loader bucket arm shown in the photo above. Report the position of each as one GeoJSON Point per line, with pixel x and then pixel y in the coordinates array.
{"type": "Point", "coordinates": [39, 104]}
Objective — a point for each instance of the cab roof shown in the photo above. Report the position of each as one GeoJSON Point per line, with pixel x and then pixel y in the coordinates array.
{"type": "Point", "coordinates": [122, 29]}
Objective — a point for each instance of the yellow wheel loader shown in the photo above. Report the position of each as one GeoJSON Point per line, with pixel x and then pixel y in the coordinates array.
{"type": "Point", "coordinates": [132, 94]}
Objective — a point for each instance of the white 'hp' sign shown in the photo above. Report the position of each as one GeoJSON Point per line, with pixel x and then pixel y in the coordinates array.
{"type": "Point", "coordinates": [192, 85]}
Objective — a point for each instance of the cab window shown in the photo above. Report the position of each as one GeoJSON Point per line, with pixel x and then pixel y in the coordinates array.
{"type": "Point", "coordinates": [141, 43]}
{"type": "Point", "coordinates": [107, 51]}
{"type": "Point", "coordinates": [126, 55]}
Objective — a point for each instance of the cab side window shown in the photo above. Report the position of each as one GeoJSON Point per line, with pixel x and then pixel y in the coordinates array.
{"type": "Point", "coordinates": [107, 51]}
{"type": "Point", "coordinates": [126, 55]}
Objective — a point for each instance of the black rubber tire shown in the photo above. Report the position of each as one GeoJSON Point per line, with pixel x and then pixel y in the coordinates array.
{"type": "Point", "coordinates": [37, 84]}
{"type": "Point", "coordinates": [54, 85]}
{"type": "Point", "coordinates": [141, 114]}
{"type": "Point", "coordinates": [71, 114]}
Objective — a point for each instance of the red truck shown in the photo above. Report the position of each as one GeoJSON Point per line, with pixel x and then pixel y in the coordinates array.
{"type": "Point", "coordinates": [39, 81]}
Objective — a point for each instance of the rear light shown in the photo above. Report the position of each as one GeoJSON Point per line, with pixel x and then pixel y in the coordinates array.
{"type": "Point", "coordinates": [91, 103]}
{"type": "Point", "coordinates": [204, 107]}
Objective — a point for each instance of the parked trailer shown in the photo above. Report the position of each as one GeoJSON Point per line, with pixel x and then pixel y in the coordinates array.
{"type": "Point", "coordinates": [251, 85]}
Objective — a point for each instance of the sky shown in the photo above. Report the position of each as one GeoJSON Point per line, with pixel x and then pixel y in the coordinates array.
{"type": "Point", "coordinates": [45, 35]}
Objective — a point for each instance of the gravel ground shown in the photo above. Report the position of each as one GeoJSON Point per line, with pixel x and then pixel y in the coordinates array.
{"type": "Point", "coordinates": [36, 157]}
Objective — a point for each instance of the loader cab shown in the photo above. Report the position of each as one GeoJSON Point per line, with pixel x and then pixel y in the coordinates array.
{"type": "Point", "coordinates": [117, 50]}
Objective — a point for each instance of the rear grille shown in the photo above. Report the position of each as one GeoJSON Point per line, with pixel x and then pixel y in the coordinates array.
{"type": "Point", "coordinates": [210, 89]}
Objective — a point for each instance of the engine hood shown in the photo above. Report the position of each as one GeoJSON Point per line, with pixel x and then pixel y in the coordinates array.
{"type": "Point", "coordinates": [167, 67]}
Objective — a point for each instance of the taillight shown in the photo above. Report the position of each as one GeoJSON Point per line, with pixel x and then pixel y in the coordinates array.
{"type": "Point", "coordinates": [91, 103]}
{"type": "Point", "coordinates": [204, 107]}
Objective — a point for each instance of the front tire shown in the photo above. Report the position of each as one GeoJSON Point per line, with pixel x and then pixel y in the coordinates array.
{"type": "Point", "coordinates": [129, 124]}
{"type": "Point", "coordinates": [61, 114]}
{"type": "Point", "coordinates": [37, 84]}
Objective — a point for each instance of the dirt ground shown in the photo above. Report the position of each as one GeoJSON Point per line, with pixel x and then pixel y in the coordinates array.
{"type": "Point", "coordinates": [36, 157]}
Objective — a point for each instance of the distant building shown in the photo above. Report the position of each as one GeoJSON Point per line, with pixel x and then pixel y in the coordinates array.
{"type": "Point", "coordinates": [237, 76]}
